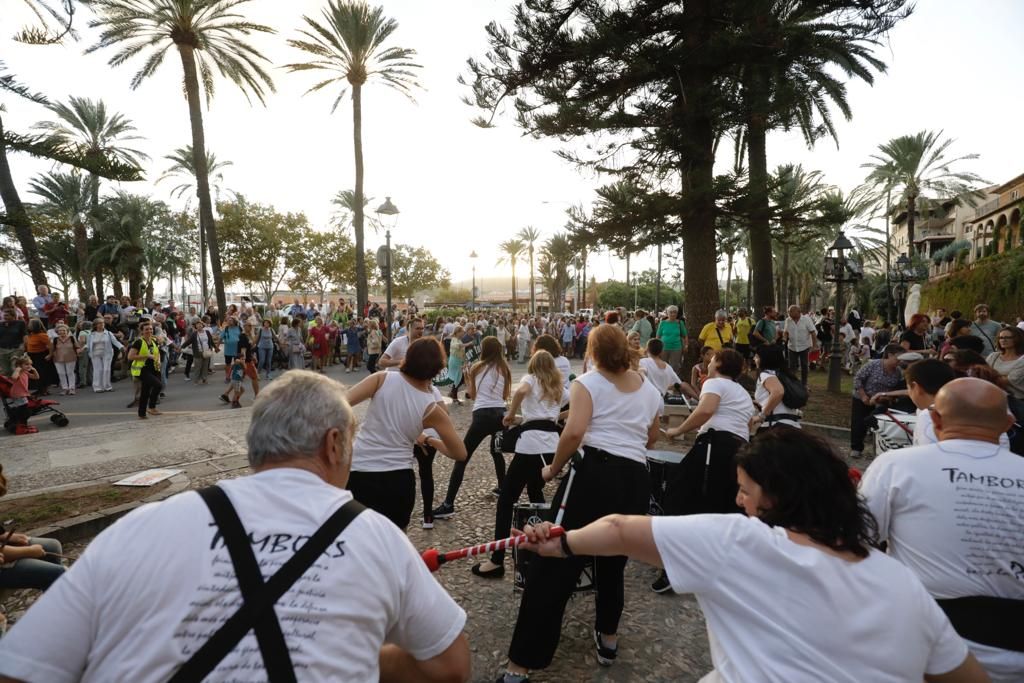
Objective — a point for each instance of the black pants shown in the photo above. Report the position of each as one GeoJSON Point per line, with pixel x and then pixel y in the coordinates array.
{"type": "Point", "coordinates": [188, 364]}
{"type": "Point", "coordinates": [150, 385]}
{"type": "Point", "coordinates": [486, 422]}
{"type": "Point", "coordinates": [858, 427]}
{"type": "Point", "coordinates": [425, 463]}
{"type": "Point", "coordinates": [392, 494]}
{"type": "Point", "coordinates": [371, 362]}
{"type": "Point", "coordinates": [523, 472]}
{"type": "Point", "coordinates": [603, 484]}
{"type": "Point", "coordinates": [701, 485]}
{"type": "Point", "coordinates": [799, 358]}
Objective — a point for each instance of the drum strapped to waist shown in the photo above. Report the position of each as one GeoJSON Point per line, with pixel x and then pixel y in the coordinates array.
{"type": "Point", "coordinates": [991, 621]}
{"type": "Point", "coordinates": [510, 437]}
{"type": "Point", "coordinates": [533, 514]}
{"type": "Point", "coordinates": [660, 465]}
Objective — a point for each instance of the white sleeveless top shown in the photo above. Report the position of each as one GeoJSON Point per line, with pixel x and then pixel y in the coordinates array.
{"type": "Point", "coordinates": [620, 419]}
{"type": "Point", "coordinates": [393, 422]}
{"type": "Point", "coordinates": [490, 389]}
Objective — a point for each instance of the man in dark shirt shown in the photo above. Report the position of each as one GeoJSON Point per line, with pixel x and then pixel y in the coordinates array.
{"type": "Point", "coordinates": [12, 339]}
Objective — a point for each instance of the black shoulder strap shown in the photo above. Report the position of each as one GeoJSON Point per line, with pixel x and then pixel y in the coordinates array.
{"type": "Point", "coordinates": [258, 598]}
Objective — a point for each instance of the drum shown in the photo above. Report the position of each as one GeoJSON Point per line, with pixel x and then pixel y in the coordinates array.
{"type": "Point", "coordinates": [535, 513]}
{"type": "Point", "coordinates": [660, 465]}
{"type": "Point", "coordinates": [893, 430]}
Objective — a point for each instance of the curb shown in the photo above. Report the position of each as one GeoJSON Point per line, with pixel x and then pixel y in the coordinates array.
{"type": "Point", "coordinates": [84, 526]}
{"type": "Point", "coordinates": [830, 431]}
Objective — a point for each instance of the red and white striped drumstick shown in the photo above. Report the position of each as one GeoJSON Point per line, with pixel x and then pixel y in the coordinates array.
{"type": "Point", "coordinates": [435, 559]}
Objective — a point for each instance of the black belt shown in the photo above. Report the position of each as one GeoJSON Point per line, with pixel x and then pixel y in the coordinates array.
{"type": "Point", "coordinates": [510, 437]}
{"type": "Point", "coordinates": [781, 416]}
{"type": "Point", "coordinates": [995, 622]}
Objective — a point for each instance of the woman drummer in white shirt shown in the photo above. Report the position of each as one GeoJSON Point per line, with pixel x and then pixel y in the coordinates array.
{"type": "Point", "coordinates": [541, 395]}
{"type": "Point", "coordinates": [402, 405]}
{"type": "Point", "coordinates": [768, 394]}
{"type": "Point", "coordinates": [794, 591]}
{"type": "Point", "coordinates": [613, 415]}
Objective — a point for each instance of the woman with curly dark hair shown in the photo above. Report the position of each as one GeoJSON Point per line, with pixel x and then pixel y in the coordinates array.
{"type": "Point", "coordinates": [795, 590]}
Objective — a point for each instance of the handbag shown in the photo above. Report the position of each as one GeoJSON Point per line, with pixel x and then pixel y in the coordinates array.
{"type": "Point", "coordinates": [725, 345]}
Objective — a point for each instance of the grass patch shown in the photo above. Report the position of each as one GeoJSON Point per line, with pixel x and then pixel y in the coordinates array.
{"type": "Point", "coordinates": [47, 508]}
{"type": "Point", "coordinates": [825, 407]}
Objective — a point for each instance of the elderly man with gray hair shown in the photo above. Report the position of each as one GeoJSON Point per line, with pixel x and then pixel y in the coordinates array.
{"type": "Point", "coordinates": [278, 575]}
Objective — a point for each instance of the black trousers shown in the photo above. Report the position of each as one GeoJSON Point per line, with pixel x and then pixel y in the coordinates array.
{"type": "Point", "coordinates": [371, 362]}
{"type": "Point", "coordinates": [523, 472]}
{"type": "Point", "coordinates": [188, 364]}
{"type": "Point", "coordinates": [392, 494]}
{"type": "Point", "coordinates": [858, 428]}
{"type": "Point", "coordinates": [701, 485]}
{"type": "Point", "coordinates": [425, 464]}
{"type": "Point", "coordinates": [799, 358]}
{"type": "Point", "coordinates": [603, 484]}
{"type": "Point", "coordinates": [150, 385]}
{"type": "Point", "coordinates": [486, 422]}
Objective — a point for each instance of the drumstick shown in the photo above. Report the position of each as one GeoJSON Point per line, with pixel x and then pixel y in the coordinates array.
{"type": "Point", "coordinates": [435, 559]}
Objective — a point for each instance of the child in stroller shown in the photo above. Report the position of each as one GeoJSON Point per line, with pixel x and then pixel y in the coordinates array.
{"type": "Point", "coordinates": [19, 405]}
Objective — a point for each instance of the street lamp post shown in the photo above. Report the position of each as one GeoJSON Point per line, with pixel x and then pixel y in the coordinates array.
{"type": "Point", "coordinates": [387, 214]}
{"type": "Point", "coordinates": [901, 275]}
{"type": "Point", "coordinates": [840, 270]}
{"type": "Point", "coordinates": [473, 256]}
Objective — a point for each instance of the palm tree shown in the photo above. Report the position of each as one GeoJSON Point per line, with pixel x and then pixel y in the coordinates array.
{"type": "Point", "coordinates": [125, 222]}
{"type": "Point", "coordinates": [529, 234]}
{"type": "Point", "coordinates": [84, 124]}
{"type": "Point", "coordinates": [345, 208]}
{"type": "Point", "coordinates": [67, 198]}
{"type": "Point", "coordinates": [911, 166]}
{"type": "Point", "coordinates": [208, 35]}
{"type": "Point", "coordinates": [786, 82]}
{"type": "Point", "coordinates": [512, 249]}
{"type": "Point", "coordinates": [183, 169]}
{"type": "Point", "coordinates": [796, 197]}
{"type": "Point", "coordinates": [348, 43]}
{"type": "Point", "coordinates": [556, 258]}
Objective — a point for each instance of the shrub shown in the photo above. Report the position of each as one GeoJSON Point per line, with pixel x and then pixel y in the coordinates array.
{"type": "Point", "coordinates": [997, 280]}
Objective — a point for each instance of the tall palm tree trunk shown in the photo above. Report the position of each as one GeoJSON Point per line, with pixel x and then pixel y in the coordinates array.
{"type": "Point", "coordinates": [728, 278]}
{"type": "Point", "coordinates": [82, 254]}
{"type": "Point", "coordinates": [533, 295]}
{"type": "Point", "coordinates": [784, 299]}
{"type": "Point", "coordinates": [760, 214]}
{"type": "Point", "coordinates": [911, 210]}
{"type": "Point", "coordinates": [99, 283]}
{"type": "Point", "coordinates": [362, 292]}
{"type": "Point", "coordinates": [18, 217]}
{"type": "Point", "coordinates": [188, 63]}
{"type": "Point", "coordinates": [515, 299]}
{"type": "Point", "coordinates": [627, 269]}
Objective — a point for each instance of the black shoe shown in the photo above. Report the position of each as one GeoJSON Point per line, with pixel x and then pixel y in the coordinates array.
{"type": "Point", "coordinates": [495, 573]}
{"type": "Point", "coordinates": [132, 404]}
{"type": "Point", "coordinates": [662, 585]}
{"type": "Point", "coordinates": [496, 492]}
{"type": "Point", "coordinates": [443, 511]}
{"type": "Point", "coordinates": [224, 397]}
{"type": "Point", "coordinates": [605, 655]}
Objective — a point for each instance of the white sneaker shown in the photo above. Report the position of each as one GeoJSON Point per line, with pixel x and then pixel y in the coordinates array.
{"type": "Point", "coordinates": [428, 525]}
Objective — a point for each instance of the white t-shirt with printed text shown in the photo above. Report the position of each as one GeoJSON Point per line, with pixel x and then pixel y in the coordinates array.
{"type": "Point", "coordinates": [781, 612]}
{"type": "Point", "coordinates": [149, 589]}
{"type": "Point", "coordinates": [953, 512]}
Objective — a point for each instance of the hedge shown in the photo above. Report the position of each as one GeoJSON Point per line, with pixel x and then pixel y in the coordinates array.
{"type": "Point", "coordinates": [996, 280]}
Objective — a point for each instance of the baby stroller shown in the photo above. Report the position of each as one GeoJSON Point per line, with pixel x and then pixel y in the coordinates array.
{"type": "Point", "coordinates": [36, 406]}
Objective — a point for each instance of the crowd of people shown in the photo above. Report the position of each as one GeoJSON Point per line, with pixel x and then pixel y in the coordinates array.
{"type": "Point", "coordinates": [757, 513]}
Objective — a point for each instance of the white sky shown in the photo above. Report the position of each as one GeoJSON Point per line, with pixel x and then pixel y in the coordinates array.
{"type": "Point", "coordinates": [953, 66]}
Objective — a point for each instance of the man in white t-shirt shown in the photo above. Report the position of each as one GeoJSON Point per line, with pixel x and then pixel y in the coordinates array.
{"type": "Point", "coordinates": [658, 372]}
{"type": "Point", "coordinates": [150, 591]}
{"type": "Point", "coordinates": [800, 337]}
{"type": "Point", "coordinates": [953, 512]}
{"type": "Point", "coordinates": [393, 356]}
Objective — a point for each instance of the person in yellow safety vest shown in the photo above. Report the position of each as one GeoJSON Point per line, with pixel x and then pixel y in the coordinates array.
{"type": "Point", "coordinates": [144, 355]}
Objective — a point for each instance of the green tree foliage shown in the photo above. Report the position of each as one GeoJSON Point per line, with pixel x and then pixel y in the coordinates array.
{"type": "Point", "coordinates": [414, 269]}
{"type": "Point", "coordinates": [131, 229]}
{"type": "Point", "coordinates": [348, 42]}
{"type": "Point", "coordinates": [612, 293]}
{"type": "Point", "coordinates": [257, 241]}
{"type": "Point", "coordinates": [556, 261]}
{"type": "Point", "coordinates": [183, 170]}
{"type": "Point", "coordinates": [321, 259]}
